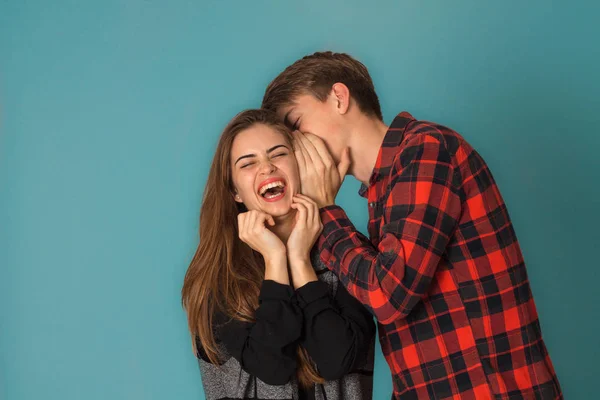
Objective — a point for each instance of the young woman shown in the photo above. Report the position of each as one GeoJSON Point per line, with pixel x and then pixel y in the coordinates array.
{"type": "Point", "coordinates": [269, 320]}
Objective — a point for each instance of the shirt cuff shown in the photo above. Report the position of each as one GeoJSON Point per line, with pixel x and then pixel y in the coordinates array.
{"type": "Point", "coordinates": [332, 213]}
{"type": "Point", "coordinates": [335, 227]}
{"type": "Point", "coordinates": [333, 218]}
{"type": "Point", "coordinates": [271, 290]}
{"type": "Point", "coordinates": [311, 292]}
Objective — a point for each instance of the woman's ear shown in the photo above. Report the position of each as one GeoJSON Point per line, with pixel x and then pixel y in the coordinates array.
{"type": "Point", "coordinates": [237, 197]}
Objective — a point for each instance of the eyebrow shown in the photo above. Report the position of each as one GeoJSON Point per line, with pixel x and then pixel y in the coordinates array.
{"type": "Point", "coordinates": [272, 149]}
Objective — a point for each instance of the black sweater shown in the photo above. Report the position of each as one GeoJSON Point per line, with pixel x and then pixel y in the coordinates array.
{"type": "Point", "coordinates": [335, 330]}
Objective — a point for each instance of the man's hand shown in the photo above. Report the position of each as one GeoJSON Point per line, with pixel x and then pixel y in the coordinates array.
{"type": "Point", "coordinates": [320, 177]}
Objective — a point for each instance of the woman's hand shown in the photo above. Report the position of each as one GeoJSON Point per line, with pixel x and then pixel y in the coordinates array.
{"type": "Point", "coordinates": [254, 232]}
{"type": "Point", "coordinates": [307, 229]}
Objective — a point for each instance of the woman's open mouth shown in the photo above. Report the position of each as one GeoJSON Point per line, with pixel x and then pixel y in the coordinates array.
{"type": "Point", "coordinates": [272, 189]}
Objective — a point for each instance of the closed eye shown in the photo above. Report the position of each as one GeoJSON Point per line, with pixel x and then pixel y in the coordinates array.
{"type": "Point", "coordinates": [279, 155]}
{"type": "Point", "coordinates": [296, 125]}
{"type": "Point", "coordinates": [247, 165]}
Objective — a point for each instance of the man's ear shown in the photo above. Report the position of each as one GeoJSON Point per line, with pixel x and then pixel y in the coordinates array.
{"type": "Point", "coordinates": [341, 95]}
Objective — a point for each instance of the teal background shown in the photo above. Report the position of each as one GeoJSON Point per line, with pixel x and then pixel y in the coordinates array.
{"type": "Point", "coordinates": [110, 112]}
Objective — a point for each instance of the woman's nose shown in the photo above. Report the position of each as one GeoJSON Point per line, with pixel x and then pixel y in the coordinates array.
{"type": "Point", "coordinates": [267, 167]}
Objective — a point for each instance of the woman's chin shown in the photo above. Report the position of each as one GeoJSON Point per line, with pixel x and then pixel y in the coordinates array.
{"type": "Point", "coordinates": [279, 209]}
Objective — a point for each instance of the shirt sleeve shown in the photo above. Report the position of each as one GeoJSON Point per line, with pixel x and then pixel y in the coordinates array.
{"type": "Point", "coordinates": [338, 331]}
{"type": "Point", "coordinates": [420, 213]}
{"type": "Point", "coordinates": [266, 348]}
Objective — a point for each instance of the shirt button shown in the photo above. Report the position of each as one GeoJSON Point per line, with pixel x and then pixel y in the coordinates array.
{"type": "Point", "coordinates": [372, 204]}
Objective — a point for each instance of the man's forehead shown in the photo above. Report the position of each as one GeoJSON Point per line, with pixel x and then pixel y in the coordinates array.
{"type": "Point", "coordinates": [283, 113]}
{"type": "Point", "coordinates": [295, 104]}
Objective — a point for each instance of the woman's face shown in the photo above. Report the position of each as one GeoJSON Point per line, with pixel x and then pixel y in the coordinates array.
{"type": "Point", "coordinates": [264, 170]}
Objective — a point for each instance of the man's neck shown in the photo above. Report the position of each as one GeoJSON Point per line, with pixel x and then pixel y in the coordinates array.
{"type": "Point", "coordinates": [365, 143]}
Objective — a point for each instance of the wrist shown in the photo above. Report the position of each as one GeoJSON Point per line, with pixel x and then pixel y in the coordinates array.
{"type": "Point", "coordinates": [299, 261]}
{"type": "Point", "coordinates": [276, 269]}
{"type": "Point", "coordinates": [302, 273]}
{"type": "Point", "coordinates": [275, 257]}
{"type": "Point", "coordinates": [327, 201]}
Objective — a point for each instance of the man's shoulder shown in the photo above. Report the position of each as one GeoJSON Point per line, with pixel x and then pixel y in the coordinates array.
{"type": "Point", "coordinates": [419, 131]}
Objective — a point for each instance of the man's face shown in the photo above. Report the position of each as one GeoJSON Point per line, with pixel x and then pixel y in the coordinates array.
{"type": "Point", "coordinates": [309, 114]}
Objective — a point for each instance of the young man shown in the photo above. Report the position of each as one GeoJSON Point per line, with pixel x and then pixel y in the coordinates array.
{"type": "Point", "coordinates": [442, 271]}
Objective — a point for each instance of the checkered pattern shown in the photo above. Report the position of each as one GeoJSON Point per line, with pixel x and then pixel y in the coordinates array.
{"type": "Point", "coordinates": [442, 272]}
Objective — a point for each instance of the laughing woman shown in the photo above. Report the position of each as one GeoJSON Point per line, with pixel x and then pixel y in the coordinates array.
{"type": "Point", "coordinates": [267, 318]}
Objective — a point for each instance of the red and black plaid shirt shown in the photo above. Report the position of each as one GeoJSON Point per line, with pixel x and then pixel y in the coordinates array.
{"type": "Point", "coordinates": [442, 272]}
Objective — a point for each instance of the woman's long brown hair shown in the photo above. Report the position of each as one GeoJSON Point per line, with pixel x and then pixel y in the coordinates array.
{"type": "Point", "coordinates": [225, 274]}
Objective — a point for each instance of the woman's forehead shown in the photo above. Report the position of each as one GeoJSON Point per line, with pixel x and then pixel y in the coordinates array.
{"type": "Point", "coordinates": [257, 138]}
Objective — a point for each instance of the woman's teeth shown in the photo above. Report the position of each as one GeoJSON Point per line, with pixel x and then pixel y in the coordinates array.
{"type": "Point", "coordinates": [263, 190]}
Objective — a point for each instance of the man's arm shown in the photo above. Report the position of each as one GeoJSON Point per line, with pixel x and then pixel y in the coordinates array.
{"type": "Point", "coordinates": [420, 216]}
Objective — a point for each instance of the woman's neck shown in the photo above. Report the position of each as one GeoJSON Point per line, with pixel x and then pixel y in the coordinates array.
{"type": "Point", "coordinates": [284, 225]}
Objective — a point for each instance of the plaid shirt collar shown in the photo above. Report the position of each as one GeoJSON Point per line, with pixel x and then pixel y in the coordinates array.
{"type": "Point", "coordinates": [389, 149]}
